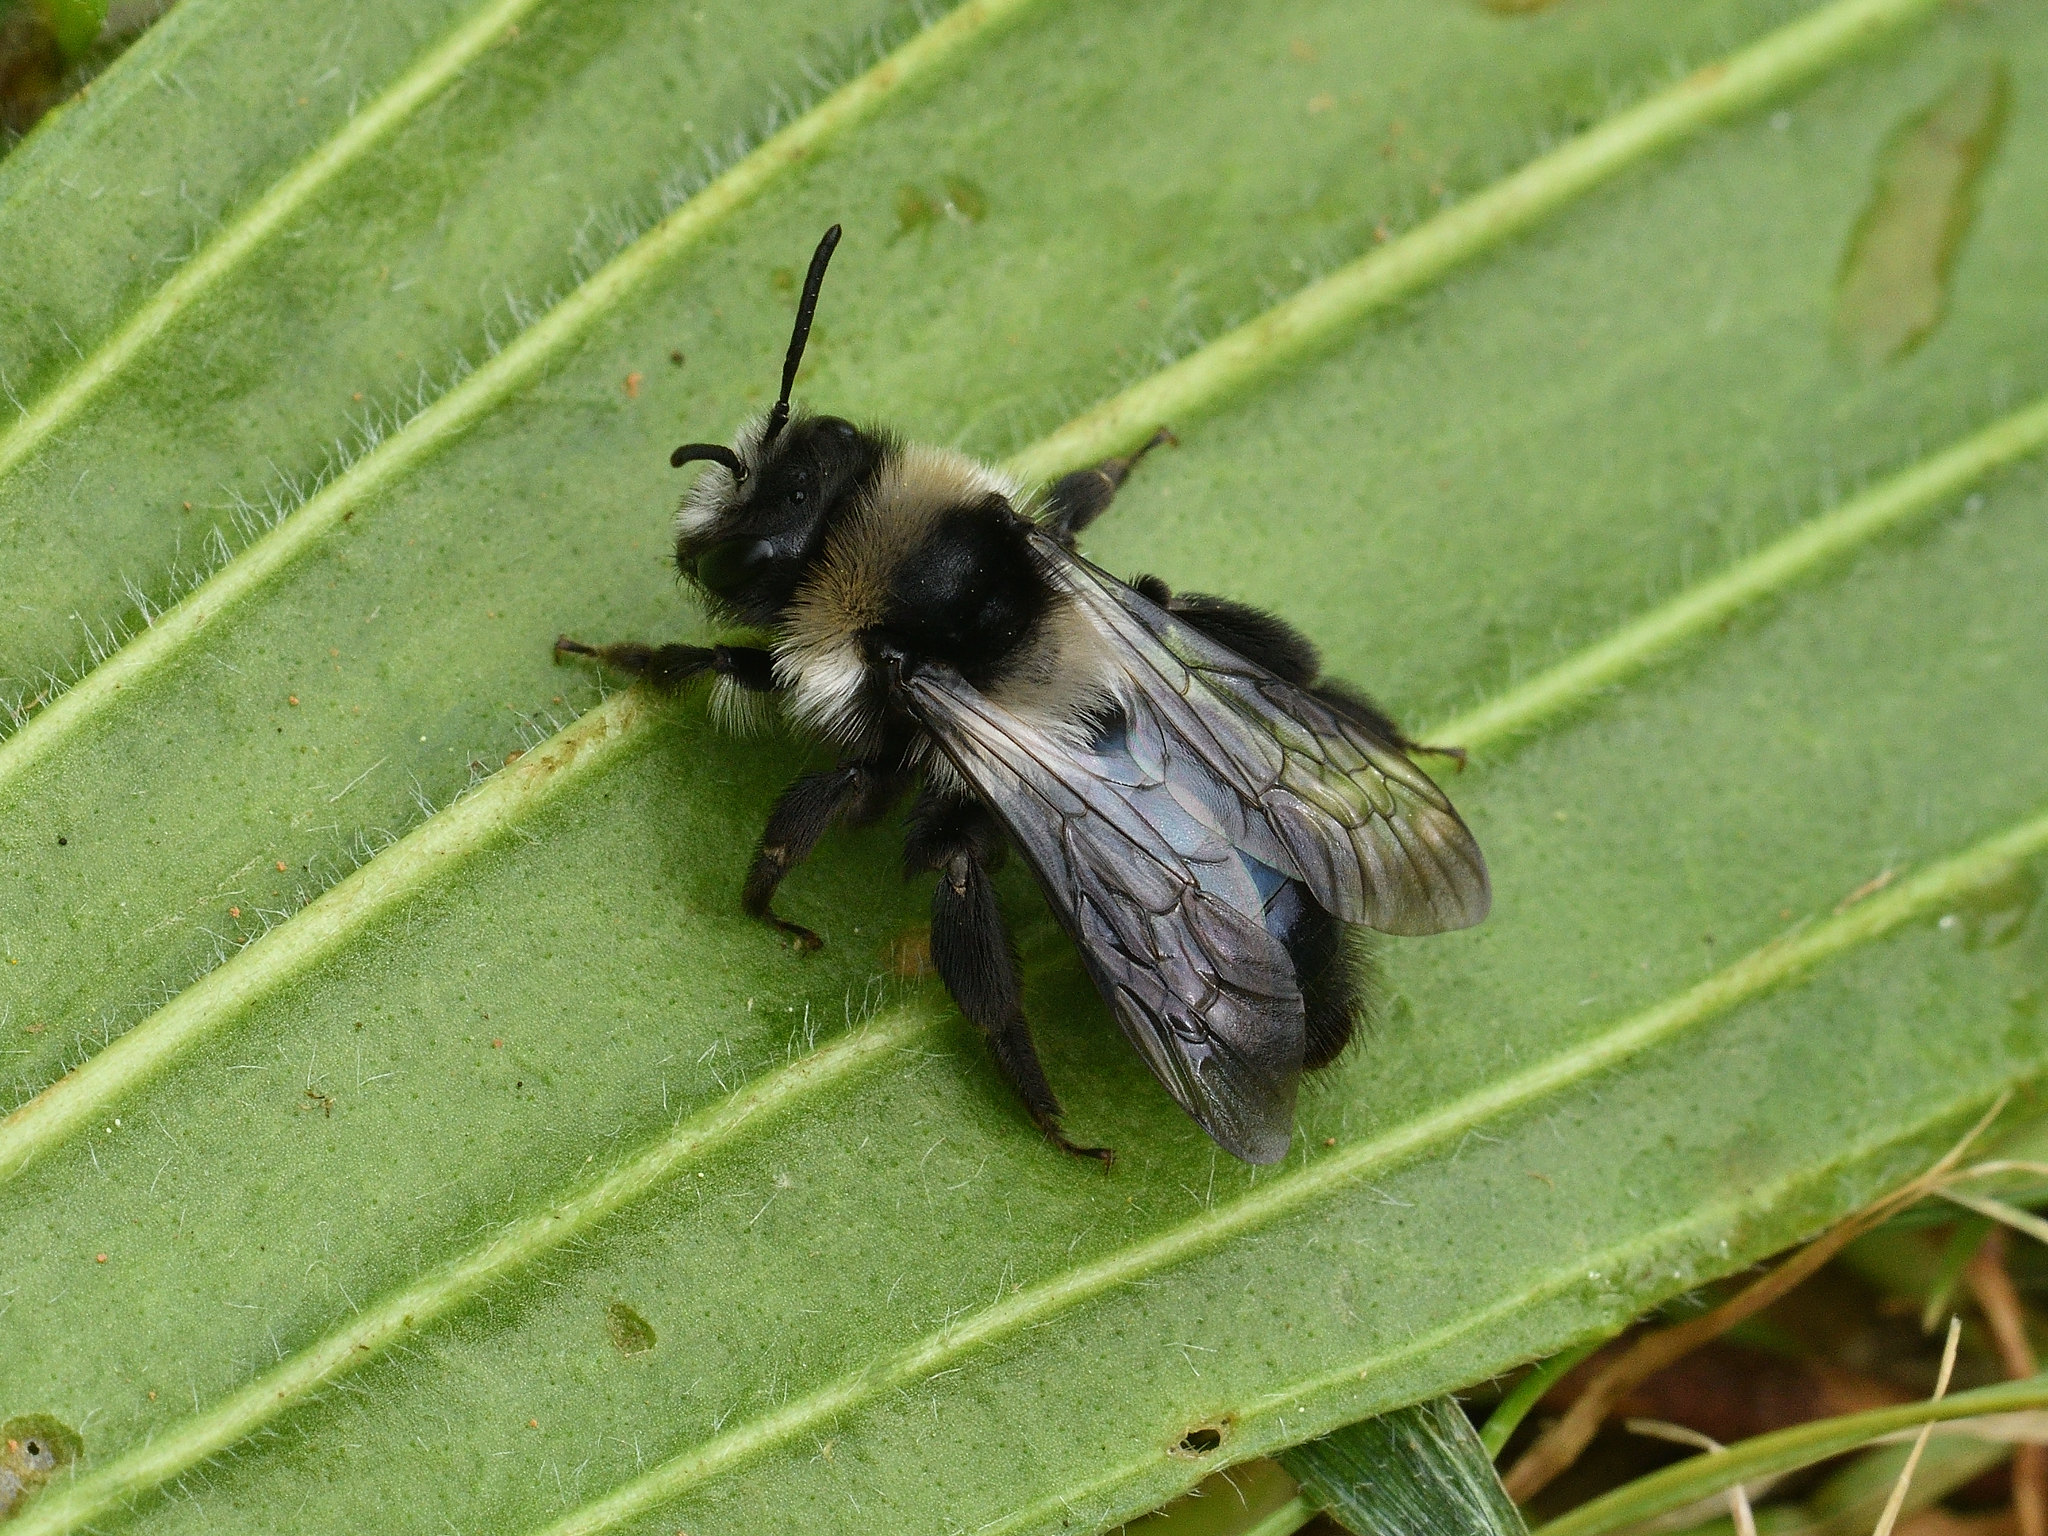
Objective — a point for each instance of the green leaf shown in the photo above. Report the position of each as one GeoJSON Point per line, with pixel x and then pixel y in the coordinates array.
{"type": "Point", "coordinates": [74, 23]}
{"type": "Point", "coordinates": [382, 1069]}
{"type": "Point", "coordinates": [1418, 1471]}
{"type": "Point", "coordinates": [1508, 1414]}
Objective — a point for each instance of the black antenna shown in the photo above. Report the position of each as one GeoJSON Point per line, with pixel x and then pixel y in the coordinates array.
{"type": "Point", "coordinates": [806, 308]}
{"type": "Point", "coordinates": [717, 453]}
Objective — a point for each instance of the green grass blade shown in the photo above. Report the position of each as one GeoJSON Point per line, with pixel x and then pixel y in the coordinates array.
{"type": "Point", "coordinates": [1418, 1471]}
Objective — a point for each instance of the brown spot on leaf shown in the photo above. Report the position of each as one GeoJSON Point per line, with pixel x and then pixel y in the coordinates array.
{"type": "Point", "coordinates": [966, 200]}
{"type": "Point", "coordinates": [909, 954]}
{"type": "Point", "coordinates": [914, 211]}
{"type": "Point", "coordinates": [1894, 280]}
{"type": "Point", "coordinates": [631, 1334]}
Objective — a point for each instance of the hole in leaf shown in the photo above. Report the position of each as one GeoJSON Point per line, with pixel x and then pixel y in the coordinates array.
{"type": "Point", "coordinates": [34, 1447]}
{"type": "Point", "coordinates": [1203, 1439]}
{"type": "Point", "coordinates": [1894, 281]}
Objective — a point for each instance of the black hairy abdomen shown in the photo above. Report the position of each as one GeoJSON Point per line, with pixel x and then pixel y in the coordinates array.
{"type": "Point", "coordinates": [968, 594]}
{"type": "Point", "coordinates": [1332, 989]}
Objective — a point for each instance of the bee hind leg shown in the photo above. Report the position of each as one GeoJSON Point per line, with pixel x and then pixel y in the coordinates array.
{"type": "Point", "coordinates": [1359, 706]}
{"type": "Point", "coordinates": [803, 814]}
{"type": "Point", "coordinates": [973, 953]}
{"type": "Point", "coordinates": [1076, 500]}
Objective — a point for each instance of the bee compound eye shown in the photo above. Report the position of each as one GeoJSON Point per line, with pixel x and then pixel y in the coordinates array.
{"type": "Point", "coordinates": [731, 563]}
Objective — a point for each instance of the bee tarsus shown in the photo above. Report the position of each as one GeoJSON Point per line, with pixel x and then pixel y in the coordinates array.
{"type": "Point", "coordinates": [855, 793]}
{"type": "Point", "coordinates": [1076, 500]}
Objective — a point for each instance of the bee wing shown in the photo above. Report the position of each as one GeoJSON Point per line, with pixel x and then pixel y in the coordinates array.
{"type": "Point", "coordinates": [1319, 797]}
{"type": "Point", "coordinates": [1166, 913]}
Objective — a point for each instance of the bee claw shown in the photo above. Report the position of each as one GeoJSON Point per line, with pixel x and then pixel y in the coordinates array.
{"type": "Point", "coordinates": [801, 939]}
{"type": "Point", "coordinates": [1103, 1155]}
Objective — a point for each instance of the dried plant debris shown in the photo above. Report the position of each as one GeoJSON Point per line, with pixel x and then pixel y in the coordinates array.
{"type": "Point", "coordinates": [1894, 282]}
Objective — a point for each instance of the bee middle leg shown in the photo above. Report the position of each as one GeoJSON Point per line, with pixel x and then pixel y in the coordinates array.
{"type": "Point", "coordinates": [973, 953]}
{"type": "Point", "coordinates": [1076, 500]}
{"type": "Point", "coordinates": [853, 792]}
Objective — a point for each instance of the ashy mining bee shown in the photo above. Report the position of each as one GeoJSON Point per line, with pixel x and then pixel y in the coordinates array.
{"type": "Point", "coordinates": [1205, 813]}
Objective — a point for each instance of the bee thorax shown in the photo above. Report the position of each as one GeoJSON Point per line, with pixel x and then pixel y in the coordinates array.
{"type": "Point", "coordinates": [935, 568]}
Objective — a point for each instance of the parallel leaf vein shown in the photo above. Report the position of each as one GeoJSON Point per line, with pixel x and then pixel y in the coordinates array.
{"type": "Point", "coordinates": [1192, 385]}
{"type": "Point", "coordinates": [1757, 973]}
{"type": "Point", "coordinates": [1760, 971]}
{"type": "Point", "coordinates": [516, 365]}
{"type": "Point", "coordinates": [255, 224]}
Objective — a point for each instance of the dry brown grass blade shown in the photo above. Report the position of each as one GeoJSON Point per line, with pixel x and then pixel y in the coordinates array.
{"type": "Point", "coordinates": [1738, 1496]}
{"type": "Point", "coordinates": [1939, 1522]}
{"type": "Point", "coordinates": [1897, 1500]}
{"type": "Point", "coordinates": [1561, 1444]}
{"type": "Point", "coordinates": [1996, 1298]}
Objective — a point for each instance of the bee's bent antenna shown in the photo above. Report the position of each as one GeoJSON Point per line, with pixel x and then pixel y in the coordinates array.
{"type": "Point", "coordinates": [717, 453]}
{"type": "Point", "coordinates": [805, 309]}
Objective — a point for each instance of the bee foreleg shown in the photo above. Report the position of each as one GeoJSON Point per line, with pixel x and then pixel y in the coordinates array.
{"type": "Point", "coordinates": [803, 814]}
{"type": "Point", "coordinates": [1076, 500]}
{"type": "Point", "coordinates": [973, 954]}
{"type": "Point", "coordinates": [668, 667]}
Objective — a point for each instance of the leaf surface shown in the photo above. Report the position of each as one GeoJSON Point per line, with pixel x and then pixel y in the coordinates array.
{"type": "Point", "coordinates": [372, 1189]}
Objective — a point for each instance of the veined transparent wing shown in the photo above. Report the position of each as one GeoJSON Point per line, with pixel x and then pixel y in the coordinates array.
{"type": "Point", "coordinates": [1165, 910]}
{"type": "Point", "coordinates": [1319, 797]}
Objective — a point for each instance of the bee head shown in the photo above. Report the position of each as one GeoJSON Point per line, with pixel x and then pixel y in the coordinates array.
{"type": "Point", "coordinates": [756, 519]}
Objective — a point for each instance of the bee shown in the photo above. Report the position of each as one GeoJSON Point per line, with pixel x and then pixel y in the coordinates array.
{"type": "Point", "coordinates": [1208, 816]}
